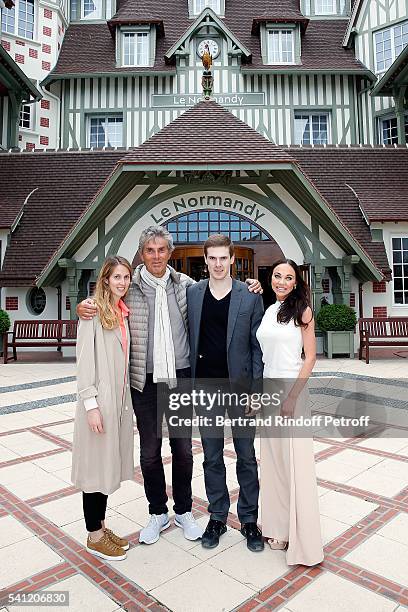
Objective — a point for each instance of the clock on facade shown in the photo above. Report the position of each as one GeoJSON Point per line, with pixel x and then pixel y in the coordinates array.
{"type": "Point", "coordinates": [212, 45]}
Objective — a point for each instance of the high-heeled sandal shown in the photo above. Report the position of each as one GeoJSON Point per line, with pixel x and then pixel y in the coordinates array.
{"type": "Point", "coordinates": [276, 545]}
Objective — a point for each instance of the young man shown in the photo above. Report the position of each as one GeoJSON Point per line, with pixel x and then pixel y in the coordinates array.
{"type": "Point", "coordinates": [223, 319]}
{"type": "Point", "coordinates": [159, 351]}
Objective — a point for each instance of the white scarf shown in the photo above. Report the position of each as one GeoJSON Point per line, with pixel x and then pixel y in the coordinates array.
{"type": "Point", "coordinates": [164, 362]}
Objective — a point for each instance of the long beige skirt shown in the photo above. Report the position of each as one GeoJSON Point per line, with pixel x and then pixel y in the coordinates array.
{"type": "Point", "coordinates": [289, 500]}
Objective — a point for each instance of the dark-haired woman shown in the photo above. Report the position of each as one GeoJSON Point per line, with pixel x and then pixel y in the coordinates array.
{"type": "Point", "coordinates": [289, 501]}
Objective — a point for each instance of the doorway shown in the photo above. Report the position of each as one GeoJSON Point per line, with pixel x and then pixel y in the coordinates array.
{"type": "Point", "coordinates": [190, 260]}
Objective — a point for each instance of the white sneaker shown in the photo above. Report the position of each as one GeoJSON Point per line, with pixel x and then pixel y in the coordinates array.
{"type": "Point", "coordinates": [151, 533]}
{"type": "Point", "coordinates": [187, 522]}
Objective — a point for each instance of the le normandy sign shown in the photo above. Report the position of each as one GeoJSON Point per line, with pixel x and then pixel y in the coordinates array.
{"type": "Point", "coordinates": [225, 99]}
{"type": "Point", "coordinates": [190, 203]}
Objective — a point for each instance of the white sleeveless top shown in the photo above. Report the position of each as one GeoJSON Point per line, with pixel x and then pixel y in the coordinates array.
{"type": "Point", "coordinates": [281, 345]}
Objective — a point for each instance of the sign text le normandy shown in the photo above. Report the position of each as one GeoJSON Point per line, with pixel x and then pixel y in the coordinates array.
{"type": "Point", "coordinates": [208, 201]}
{"type": "Point", "coordinates": [226, 99]}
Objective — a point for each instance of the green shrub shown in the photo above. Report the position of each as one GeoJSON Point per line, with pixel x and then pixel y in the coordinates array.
{"type": "Point", "coordinates": [4, 321]}
{"type": "Point", "coordinates": [336, 317]}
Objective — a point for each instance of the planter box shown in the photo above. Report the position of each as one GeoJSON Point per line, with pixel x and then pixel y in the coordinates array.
{"type": "Point", "coordinates": [319, 344]}
{"type": "Point", "coordinates": [338, 343]}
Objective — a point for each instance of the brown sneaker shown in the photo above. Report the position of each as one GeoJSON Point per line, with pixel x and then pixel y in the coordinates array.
{"type": "Point", "coordinates": [116, 539]}
{"type": "Point", "coordinates": [106, 549]}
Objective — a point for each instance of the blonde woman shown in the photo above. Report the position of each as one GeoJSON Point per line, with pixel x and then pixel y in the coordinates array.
{"type": "Point", "coordinates": [103, 434]}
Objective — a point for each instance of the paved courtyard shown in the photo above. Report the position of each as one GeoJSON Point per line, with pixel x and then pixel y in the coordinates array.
{"type": "Point", "coordinates": [363, 488]}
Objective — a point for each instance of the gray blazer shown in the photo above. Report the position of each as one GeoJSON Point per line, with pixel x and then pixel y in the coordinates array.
{"type": "Point", "coordinates": [245, 314]}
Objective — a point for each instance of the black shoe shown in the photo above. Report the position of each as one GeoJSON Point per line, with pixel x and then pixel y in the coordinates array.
{"type": "Point", "coordinates": [253, 537]}
{"type": "Point", "coordinates": [212, 533]}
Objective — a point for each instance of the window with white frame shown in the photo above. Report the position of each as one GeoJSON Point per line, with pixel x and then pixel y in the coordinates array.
{"type": "Point", "coordinates": [91, 9]}
{"type": "Point", "coordinates": [136, 48]}
{"type": "Point", "coordinates": [281, 47]}
{"type": "Point", "coordinates": [105, 131]}
{"type": "Point", "coordinates": [20, 19]}
{"type": "Point", "coordinates": [200, 5]}
{"type": "Point", "coordinates": [400, 270]}
{"type": "Point", "coordinates": [325, 7]}
{"type": "Point", "coordinates": [25, 116]}
{"type": "Point", "coordinates": [389, 130]}
{"type": "Point", "coordinates": [388, 44]}
{"type": "Point", "coordinates": [88, 9]}
{"type": "Point", "coordinates": [312, 128]}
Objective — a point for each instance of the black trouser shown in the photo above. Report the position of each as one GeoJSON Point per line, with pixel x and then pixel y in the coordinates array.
{"type": "Point", "coordinates": [149, 421]}
{"type": "Point", "coordinates": [94, 505]}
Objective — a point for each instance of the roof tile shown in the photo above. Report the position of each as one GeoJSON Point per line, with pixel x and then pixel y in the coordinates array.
{"type": "Point", "coordinates": [207, 133]}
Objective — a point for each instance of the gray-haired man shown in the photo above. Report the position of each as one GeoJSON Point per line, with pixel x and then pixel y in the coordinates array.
{"type": "Point", "coordinates": [159, 352]}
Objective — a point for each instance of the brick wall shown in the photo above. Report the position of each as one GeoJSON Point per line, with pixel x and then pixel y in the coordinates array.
{"type": "Point", "coordinates": [11, 303]}
{"type": "Point", "coordinates": [379, 311]}
{"type": "Point", "coordinates": [379, 287]}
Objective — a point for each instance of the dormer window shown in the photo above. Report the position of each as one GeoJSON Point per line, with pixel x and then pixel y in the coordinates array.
{"type": "Point", "coordinates": [318, 8]}
{"type": "Point", "coordinates": [281, 48]}
{"type": "Point", "coordinates": [135, 49]}
{"type": "Point", "coordinates": [280, 43]}
{"type": "Point", "coordinates": [136, 46]}
{"type": "Point", "coordinates": [325, 7]}
{"type": "Point", "coordinates": [197, 6]}
{"type": "Point", "coordinates": [91, 9]}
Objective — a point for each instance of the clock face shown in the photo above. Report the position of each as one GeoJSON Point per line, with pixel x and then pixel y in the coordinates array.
{"type": "Point", "coordinates": [213, 46]}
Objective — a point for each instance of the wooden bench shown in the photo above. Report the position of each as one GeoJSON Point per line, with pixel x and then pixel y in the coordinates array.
{"type": "Point", "coordinates": [387, 331]}
{"type": "Point", "coordinates": [56, 333]}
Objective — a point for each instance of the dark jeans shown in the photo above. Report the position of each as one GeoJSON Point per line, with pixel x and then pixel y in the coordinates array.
{"type": "Point", "coordinates": [94, 505]}
{"type": "Point", "coordinates": [215, 473]}
{"type": "Point", "coordinates": [149, 421]}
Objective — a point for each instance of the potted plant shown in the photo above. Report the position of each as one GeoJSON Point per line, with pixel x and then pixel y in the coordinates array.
{"type": "Point", "coordinates": [4, 327]}
{"type": "Point", "coordinates": [338, 322]}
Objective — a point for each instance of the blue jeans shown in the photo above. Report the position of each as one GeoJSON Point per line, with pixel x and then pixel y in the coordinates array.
{"type": "Point", "coordinates": [215, 476]}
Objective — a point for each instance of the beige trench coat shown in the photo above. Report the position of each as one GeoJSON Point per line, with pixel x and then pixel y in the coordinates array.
{"type": "Point", "coordinates": [100, 462]}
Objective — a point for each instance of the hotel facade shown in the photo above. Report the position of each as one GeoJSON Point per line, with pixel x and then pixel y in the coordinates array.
{"type": "Point", "coordinates": [300, 152]}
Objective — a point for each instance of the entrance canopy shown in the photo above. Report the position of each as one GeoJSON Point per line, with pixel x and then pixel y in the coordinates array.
{"type": "Point", "coordinates": [208, 149]}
